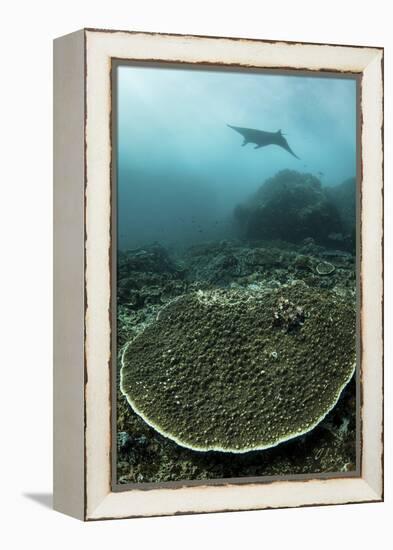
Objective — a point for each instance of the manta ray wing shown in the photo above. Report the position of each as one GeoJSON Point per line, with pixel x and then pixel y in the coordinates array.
{"type": "Point", "coordinates": [250, 135]}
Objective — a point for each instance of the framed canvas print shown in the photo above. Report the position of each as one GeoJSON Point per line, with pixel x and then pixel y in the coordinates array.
{"type": "Point", "coordinates": [218, 274]}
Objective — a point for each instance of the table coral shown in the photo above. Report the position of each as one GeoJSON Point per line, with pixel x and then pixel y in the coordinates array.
{"type": "Point", "coordinates": [215, 371]}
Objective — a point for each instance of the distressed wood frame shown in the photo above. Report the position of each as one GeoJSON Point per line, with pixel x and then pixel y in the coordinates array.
{"type": "Point", "coordinates": [82, 273]}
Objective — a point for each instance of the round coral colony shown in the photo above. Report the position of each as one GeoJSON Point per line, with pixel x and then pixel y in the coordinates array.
{"type": "Point", "coordinates": [236, 371]}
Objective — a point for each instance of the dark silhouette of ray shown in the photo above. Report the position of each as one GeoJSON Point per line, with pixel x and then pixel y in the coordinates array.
{"type": "Point", "coordinates": [262, 138]}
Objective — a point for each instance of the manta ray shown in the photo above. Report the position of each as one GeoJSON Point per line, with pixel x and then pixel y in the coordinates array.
{"type": "Point", "coordinates": [262, 138]}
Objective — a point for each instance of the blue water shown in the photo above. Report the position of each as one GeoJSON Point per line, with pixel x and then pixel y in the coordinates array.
{"type": "Point", "coordinates": [182, 171]}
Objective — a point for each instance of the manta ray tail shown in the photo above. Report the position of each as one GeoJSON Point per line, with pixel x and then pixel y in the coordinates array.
{"type": "Point", "coordinates": [284, 145]}
{"type": "Point", "coordinates": [287, 148]}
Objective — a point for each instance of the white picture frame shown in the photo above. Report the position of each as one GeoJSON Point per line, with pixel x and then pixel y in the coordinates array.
{"type": "Point", "coordinates": [83, 252]}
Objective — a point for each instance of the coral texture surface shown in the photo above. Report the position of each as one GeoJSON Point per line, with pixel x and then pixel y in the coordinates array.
{"type": "Point", "coordinates": [237, 370]}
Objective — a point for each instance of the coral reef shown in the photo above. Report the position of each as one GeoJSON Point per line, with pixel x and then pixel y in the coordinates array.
{"type": "Point", "coordinates": [147, 274]}
{"type": "Point", "coordinates": [289, 206]}
{"type": "Point", "coordinates": [268, 264]}
{"type": "Point", "coordinates": [144, 455]}
{"type": "Point", "coordinates": [325, 268]}
{"type": "Point", "coordinates": [287, 315]}
{"type": "Point", "coordinates": [343, 196]}
{"type": "Point", "coordinates": [146, 278]}
{"type": "Point", "coordinates": [237, 370]}
{"type": "Point", "coordinates": [149, 457]}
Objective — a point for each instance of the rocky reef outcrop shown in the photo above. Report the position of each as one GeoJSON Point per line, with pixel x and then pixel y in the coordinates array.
{"type": "Point", "coordinates": [292, 206]}
{"type": "Point", "coordinates": [343, 196]}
